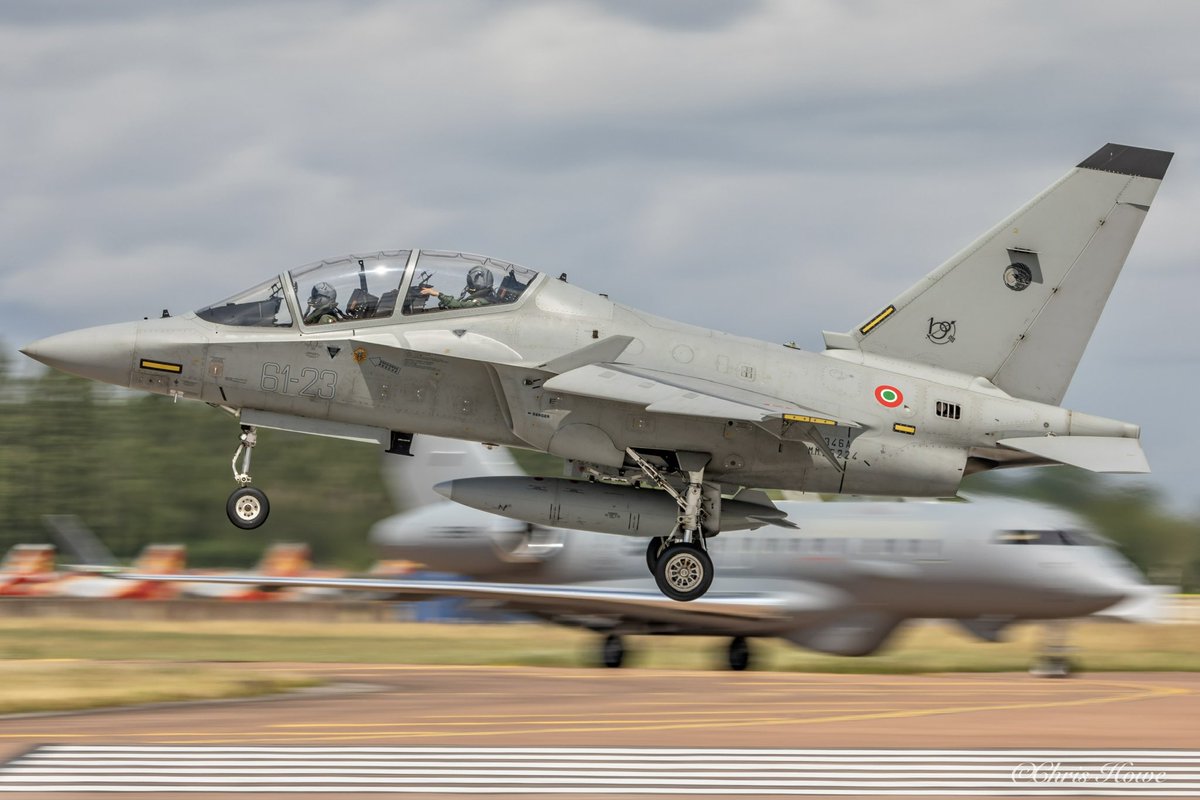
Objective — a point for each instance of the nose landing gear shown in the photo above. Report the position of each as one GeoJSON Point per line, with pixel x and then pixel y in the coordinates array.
{"type": "Point", "coordinates": [1052, 660]}
{"type": "Point", "coordinates": [247, 507]}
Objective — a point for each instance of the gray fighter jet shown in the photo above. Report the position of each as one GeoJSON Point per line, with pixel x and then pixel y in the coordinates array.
{"type": "Point", "coordinates": [677, 428]}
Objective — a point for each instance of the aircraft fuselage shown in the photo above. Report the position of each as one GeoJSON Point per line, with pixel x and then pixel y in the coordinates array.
{"type": "Point", "coordinates": [475, 374]}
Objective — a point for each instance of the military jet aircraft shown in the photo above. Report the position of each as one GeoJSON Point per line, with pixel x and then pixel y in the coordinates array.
{"type": "Point", "coordinates": [961, 373]}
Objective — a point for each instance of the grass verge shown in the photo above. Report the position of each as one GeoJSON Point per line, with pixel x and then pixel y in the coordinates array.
{"type": "Point", "coordinates": [27, 686]}
{"type": "Point", "coordinates": [932, 647]}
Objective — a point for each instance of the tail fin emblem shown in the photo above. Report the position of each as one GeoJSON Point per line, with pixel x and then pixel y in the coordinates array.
{"type": "Point", "coordinates": [941, 332]}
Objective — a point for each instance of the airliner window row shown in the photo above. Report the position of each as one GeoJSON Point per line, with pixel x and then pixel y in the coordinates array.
{"type": "Point", "coordinates": [832, 546]}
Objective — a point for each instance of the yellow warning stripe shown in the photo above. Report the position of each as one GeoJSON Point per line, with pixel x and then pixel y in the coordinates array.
{"type": "Point", "coordinates": [814, 420]}
{"type": "Point", "coordinates": [880, 317]}
{"type": "Point", "coordinates": [900, 427]}
{"type": "Point", "coordinates": [161, 366]}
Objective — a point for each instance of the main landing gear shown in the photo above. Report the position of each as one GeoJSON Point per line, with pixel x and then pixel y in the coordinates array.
{"type": "Point", "coordinates": [613, 652]}
{"type": "Point", "coordinates": [679, 561]}
{"type": "Point", "coordinates": [247, 507]}
{"type": "Point", "coordinates": [739, 653]}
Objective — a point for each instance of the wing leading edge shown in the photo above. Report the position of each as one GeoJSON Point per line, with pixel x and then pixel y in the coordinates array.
{"type": "Point", "coordinates": [713, 610]}
{"type": "Point", "coordinates": [668, 393]}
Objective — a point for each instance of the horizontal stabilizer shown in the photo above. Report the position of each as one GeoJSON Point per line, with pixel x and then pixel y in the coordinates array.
{"type": "Point", "coordinates": [1094, 453]}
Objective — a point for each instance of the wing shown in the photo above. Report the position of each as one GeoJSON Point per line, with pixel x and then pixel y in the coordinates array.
{"type": "Point", "coordinates": [714, 610]}
{"type": "Point", "coordinates": [668, 393]}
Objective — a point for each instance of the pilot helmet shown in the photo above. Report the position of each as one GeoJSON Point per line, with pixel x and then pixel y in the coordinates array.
{"type": "Point", "coordinates": [323, 295]}
{"type": "Point", "coordinates": [479, 279]}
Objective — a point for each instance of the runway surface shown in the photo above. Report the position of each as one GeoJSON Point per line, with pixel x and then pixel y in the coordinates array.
{"type": "Point", "coordinates": [793, 723]}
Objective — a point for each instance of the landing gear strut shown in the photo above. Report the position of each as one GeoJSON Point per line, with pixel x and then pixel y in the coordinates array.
{"type": "Point", "coordinates": [1052, 659]}
{"type": "Point", "coordinates": [247, 507]}
{"type": "Point", "coordinates": [679, 561]}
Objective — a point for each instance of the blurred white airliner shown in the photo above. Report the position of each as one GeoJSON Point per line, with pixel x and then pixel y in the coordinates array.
{"type": "Point", "coordinates": [841, 583]}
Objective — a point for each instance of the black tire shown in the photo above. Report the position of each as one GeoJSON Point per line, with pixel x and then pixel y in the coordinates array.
{"type": "Point", "coordinates": [739, 653]}
{"type": "Point", "coordinates": [612, 652]}
{"type": "Point", "coordinates": [653, 549]}
{"type": "Point", "coordinates": [684, 572]}
{"type": "Point", "coordinates": [247, 508]}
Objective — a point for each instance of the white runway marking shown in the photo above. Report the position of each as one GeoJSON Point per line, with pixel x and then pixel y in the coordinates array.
{"type": "Point", "coordinates": [565, 771]}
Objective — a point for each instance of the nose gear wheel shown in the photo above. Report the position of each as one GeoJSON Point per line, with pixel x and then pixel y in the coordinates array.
{"type": "Point", "coordinates": [247, 507]}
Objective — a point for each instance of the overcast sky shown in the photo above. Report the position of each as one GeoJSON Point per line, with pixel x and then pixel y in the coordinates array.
{"type": "Point", "coordinates": [768, 168]}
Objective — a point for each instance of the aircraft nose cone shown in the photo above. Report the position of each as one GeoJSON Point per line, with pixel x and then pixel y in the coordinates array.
{"type": "Point", "coordinates": [445, 489]}
{"type": "Point", "coordinates": [101, 354]}
{"type": "Point", "coordinates": [1095, 594]}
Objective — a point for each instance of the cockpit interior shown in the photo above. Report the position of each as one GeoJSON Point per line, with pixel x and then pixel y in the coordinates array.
{"type": "Point", "coordinates": [369, 288]}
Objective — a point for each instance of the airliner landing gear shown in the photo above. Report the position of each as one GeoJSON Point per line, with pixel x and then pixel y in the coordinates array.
{"type": "Point", "coordinates": [612, 652]}
{"type": "Point", "coordinates": [679, 561]}
{"type": "Point", "coordinates": [247, 507]}
{"type": "Point", "coordinates": [739, 653]}
{"type": "Point", "coordinates": [1052, 659]}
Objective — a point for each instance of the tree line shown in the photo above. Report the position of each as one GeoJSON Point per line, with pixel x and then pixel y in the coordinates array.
{"type": "Point", "coordinates": [140, 468]}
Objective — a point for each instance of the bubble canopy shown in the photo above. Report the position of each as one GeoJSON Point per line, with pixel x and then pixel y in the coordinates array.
{"type": "Point", "coordinates": [368, 288]}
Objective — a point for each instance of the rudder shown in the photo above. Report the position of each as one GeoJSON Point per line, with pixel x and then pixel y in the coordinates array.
{"type": "Point", "coordinates": [1019, 304]}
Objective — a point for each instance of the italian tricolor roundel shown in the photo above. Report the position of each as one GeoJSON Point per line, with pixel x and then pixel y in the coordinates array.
{"type": "Point", "coordinates": [888, 396]}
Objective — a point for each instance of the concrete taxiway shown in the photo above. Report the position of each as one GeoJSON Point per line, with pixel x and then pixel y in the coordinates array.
{"type": "Point", "coordinates": [461, 705]}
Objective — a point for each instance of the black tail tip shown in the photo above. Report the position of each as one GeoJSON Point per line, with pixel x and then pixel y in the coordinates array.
{"type": "Point", "coordinates": [1127, 160]}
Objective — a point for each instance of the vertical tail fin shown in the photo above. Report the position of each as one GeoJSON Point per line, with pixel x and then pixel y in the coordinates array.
{"type": "Point", "coordinates": [1019, 304]}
